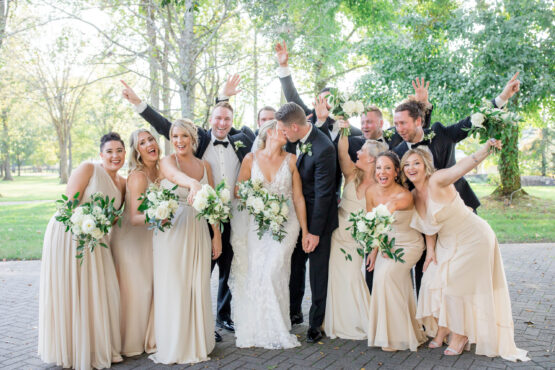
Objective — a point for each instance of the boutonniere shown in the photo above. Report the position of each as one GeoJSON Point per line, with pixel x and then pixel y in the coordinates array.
{"type": "Point", "coordinates": [429, 136]}
{"type": "Point", "coordinates": [238, 144]}
{"type": "Point", "coordinates": [387, 134]}
{"type": "Point", "coordinates": [306, 148]}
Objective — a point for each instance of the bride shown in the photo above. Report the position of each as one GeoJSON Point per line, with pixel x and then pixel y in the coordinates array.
{"type": "Point", "coordinates": [261, 305]}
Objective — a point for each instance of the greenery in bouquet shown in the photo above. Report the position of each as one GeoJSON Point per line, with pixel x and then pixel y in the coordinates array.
{"type": "Point", "coordinates": [159, 205]}
{"type": "Point", "coordinates": [491, 122]}
{"type": "Point", "coordinates": [370, 230]}
{"type": "Point", "coordinates": [214, 204]}
{"type": "Point", "coordinates": [343, 106]}
{"type": "Point", "coordinates": [88, 222]}
{"type": "Point", "coordinates": [269, 210]}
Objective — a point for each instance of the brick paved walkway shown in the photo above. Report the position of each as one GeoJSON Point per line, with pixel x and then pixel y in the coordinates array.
{"type": "Point", "coordinates": [530, 271]}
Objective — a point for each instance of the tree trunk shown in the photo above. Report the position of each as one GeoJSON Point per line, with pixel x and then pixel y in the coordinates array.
{"type": "Point", "coordinates": [6, 147]}
{"type": "Point", "coordinates": [509, 171]}
{"type": "Point", "coordinates": [186, 62]}
{"type": "Point", "coordinates": [62, 147]}
{"type": "Point", "coordinates": [255, 81]}
{"type": "Point", "coordinates": [154, 94]}
{"type": "Point", "coordinates": [166, 103]}
{"type": "Point", "coordinates": [4, 12]}
{"type": "Point", "coordinates": [69, 155]}
{"type": "Point", "coordinates": [543, 149]}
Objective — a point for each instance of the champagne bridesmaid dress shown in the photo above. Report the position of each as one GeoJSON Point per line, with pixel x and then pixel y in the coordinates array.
{"type": "Point", "coordinates": [132, 251]}
{"type": "Point", "coordinates": [393, 321]}
{"type": "Point", "coordinates": [467, 289]}
{"type": "Point", "coordinates": [183, 319]}
{"type": "Point", "coordinates": [348, 299]}
{"type": "Point", "coordinates": [79, 303]}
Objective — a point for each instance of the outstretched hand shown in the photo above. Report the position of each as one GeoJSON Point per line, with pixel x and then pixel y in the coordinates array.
{"type": "Point", "coordinates": [511, 88]}
{"type": "Point", "coordinates": [494, 143]}
{"type": "Point", "coordinates": [421, 90]}
{"type": "Point", "coordinates": [321, 108]}
{"type": "Point", "coordinates": [129, 94]}
{"type": "Point", "coordinates": [281, 54]}
{"type": "Point", "coordinates": [230, 87]}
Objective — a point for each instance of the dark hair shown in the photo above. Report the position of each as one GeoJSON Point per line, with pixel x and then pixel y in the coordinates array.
{"type": "Point", "coordinates": [396, 163]}
{"type": "Point", "coordinates": [415, 108]}
{"type": "Point", "coordinates": [374, 109]}
{"type": "Point", "coordinates": [110, 136]}
{"type": "Point", "coordinates": [290, 113]}
{"type": "Point", "coordinates": [223, 104]}
{"type": "Point", "coordinates": [325, 89]}
{"type": "Point", "coordinates": [268, 108]}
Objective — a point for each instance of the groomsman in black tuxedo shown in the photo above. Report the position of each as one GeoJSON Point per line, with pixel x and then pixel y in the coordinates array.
{"type": "Point", "coordinates": [440, 141]}
{"type": "Point", "coordinates": [316, 159]}
{"type": "Point", "coordinates": [318, 117]}
{"type": "Point", "coordinates": [224, 147]}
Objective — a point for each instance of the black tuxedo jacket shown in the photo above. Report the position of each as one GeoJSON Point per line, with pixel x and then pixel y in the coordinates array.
{"type": "Point", "coordinates": [356, 142]}
{"type": "Point", "coordinates": [162, 125]}
{"type": "Point", "coordinates": [319, 183]}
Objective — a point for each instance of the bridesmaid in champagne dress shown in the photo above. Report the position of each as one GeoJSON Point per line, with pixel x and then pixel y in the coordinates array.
{"type": "Point", "coordinates": [132, 249]}
{"type": "Point", "coordinates": [79, 302]}
{"type": "Point", "coordinates": [348, 299]}
{"type": "Point", "coordinates": [393, 325]}
{"type": "Point", "coordinates": [464, 291]}
{"type": "Point", "coordinates": [183, 320]}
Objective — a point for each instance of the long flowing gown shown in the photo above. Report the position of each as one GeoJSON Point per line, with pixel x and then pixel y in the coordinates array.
{"type": "Point", "coordinates": [183, 320]}
{"type": "Point", "coordinates": [79, 308]}
{"type": "Point", "coordinates": [132, 251]}
{"type": "Point", "coordinates": [264, 320]}
{"type": "Point", "coordinates": [348, 299]}
{"type": "Point", "coordinates": [467, 289]}
{"type": "Point", "coordinates": [393, 321]}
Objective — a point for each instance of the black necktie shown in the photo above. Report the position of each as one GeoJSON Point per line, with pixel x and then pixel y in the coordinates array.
{"type": "Point", "coordinates": [423, 142]}
{"type": "Point", "coordinates": [219, 142]}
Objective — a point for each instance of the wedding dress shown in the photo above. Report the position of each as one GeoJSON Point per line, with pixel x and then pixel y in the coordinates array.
{"type": "Point", "coordinates": [261, 284]}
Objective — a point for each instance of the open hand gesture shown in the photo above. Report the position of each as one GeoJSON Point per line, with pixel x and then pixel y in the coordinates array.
{"type": "Point", "coordinates": [129, 94]}
{"type": "Point", "coordinates": [230, 87]}
{"type": "Point", "coordinates": [321, 108]}
{"type": "Point", "coordinates": [421, 90]}
{"type": "Point", "coordinates": [281, 54]}
{"type": "Point", "coordinates": [510, 88]}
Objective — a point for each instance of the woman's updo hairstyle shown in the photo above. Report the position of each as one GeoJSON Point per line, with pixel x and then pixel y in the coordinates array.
{"type": "Point", "coordinates": [396, 163]}
{"type": "Point", "coordinates": [110, 136]}
{"type": "Point", "coordinates": [189, 127]}
{"type": "Point", "coordinates": [263, 132]}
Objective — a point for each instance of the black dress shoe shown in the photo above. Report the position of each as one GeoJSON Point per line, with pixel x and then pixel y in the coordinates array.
{"type": "Point", "coordinates": [218, 337]}
{"type": "Point", "coordinates": [226, 324]}
{"type": "Point", "coordinates": [297, 319]}
{"type": "Point", "coordinates": [313, 335]}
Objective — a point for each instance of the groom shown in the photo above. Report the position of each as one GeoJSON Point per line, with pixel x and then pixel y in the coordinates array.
{"type": "Point", "coordinates": [316, 162]}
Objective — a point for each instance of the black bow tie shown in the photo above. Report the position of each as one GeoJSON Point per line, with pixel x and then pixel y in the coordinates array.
{"type": "Point", "coordinates": [219, 142]}
{"type": "Point", "coordinates": [423, 142]}
{"type": "Point", "coordinates": [381, 140]}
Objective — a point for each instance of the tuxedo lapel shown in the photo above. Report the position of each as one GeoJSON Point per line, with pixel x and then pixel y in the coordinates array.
{"type": "Point", "coordinates": [299, 159]}
{"type": "Point", "coordinates": [204, 140]}
{"type": "Point", "coordinates": [235, 139]}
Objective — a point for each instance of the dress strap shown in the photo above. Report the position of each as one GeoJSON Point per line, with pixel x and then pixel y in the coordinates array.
{"type": "Point", "coordinates": [177, 163]}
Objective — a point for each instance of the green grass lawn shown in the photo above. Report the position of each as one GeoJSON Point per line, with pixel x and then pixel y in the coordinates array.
{"type": "Point", "coordinates": [31, 188]}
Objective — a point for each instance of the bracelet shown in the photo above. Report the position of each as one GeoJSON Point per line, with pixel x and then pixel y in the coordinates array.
{"type": "Point", "coordinates": [474, 158]}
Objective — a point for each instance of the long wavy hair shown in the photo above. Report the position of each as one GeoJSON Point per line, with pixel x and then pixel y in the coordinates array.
{"type": "Point", "coordinates": [426, 159]}
{"type": "Point", "coordinates": [373, 148]}
{"type": "Point", "coordinates": [135, 160]}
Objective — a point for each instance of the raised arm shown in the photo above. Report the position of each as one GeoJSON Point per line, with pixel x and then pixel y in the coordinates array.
{"type": "Point", "coordinates": [345, 162]}
{"type": "Point", "coordinates": [137, 184]}
{"type": "Point", "coordinates": [230, 88]}
{"type": "Point", "coordinates": [287, 85]}
{"type": "Point", "coordinates": [170, 171]}
{"type": "Point", "coordinates": [447, 176]}
{"type": "Point", "coordinates": [244, 172]}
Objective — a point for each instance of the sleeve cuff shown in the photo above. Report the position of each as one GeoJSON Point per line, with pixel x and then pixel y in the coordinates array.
{"type": "Point", "coordinates": [140, 108]}
{"type": "Point", "coordinates": [283, 72]}
{"type": "Point", "coordinates": [500, 102]}
{"type": "Point", "coordinates": [222, 97]}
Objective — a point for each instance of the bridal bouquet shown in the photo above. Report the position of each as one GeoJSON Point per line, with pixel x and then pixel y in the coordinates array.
{"type": "Point", "coordinates": [345, 107]}
{"type": "Point", "coordinates": [490, 122]}
{"type": "Point", "coordinates": [88, 222]}
{"type": "Point", "coordinates": [269, 210]}
{"type": "Point", "coordinates": [370, 230]}
{"type": "Point", "coordinates": [159, 204]}
{"type": "Point", "coordinates": [213, 204]}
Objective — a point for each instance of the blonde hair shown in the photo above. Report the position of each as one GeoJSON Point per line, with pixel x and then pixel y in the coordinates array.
{"type": "Point", "coordinates": [189, 127]}
{"type": "Point", "coordinates": [373, 148]}
{"type": "Point", "coordinates": [263, 132]}
{"type": "Point", "coordinates": [426, 158]}
{"type": "Point", "coordinates": [135, 160]}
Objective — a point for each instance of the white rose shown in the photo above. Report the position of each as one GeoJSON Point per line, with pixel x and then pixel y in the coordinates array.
{"type": "Point", "coordinates": [382, 211]}
{"type": "Point", "coordinates": [349, 107]}
{"type": "Point", "coordinates": [97, 211]}
{"type": "Point", "coordinates": [162, 213]}
{"type": "Point", "coordinates": [79, 211]}
{"type": "Point", "coordinates": [477, 119]}
{"type": "Point", "coordinates": [258, 205]}
{"type": "Point", "coordinates": [200, 202]}
{"type": "Point", "coordinates": [97, 233]}
{"type": "Point", "coordinates": [361, 226]}
{"type": "Point", "coordinates": [370, 215]}
{"type": "Point", "coordinates": [151, 213]}
{"type": "Point", "coordinates": [274, 227]}
{"type": "Point", "coordinates": [76, 230]}
{"type": "Point", "coordinates": [267, 214]}
{"type": "Point", "coordinates": [380, 228]}
{"type": "Point", "coordinates": [274, 207]}
{"type": "Point", "coordinates": [152, 197]}
{"type": "Point", "coordinates": [88, 224]}
{"type": "Point", "coordinates": [284, 210]}
{"type": "Point", "coordinates": [280, 219]}
{"type": "Point", "coordinates": [359, 107]}
{"type": "Point", "coordinates": [375, 243]}
{"type": "Point", "coordinates": [76, 218]}
{"type": "Point", "coordinates": [225, 196]}
{"type": "Point", "coordinates": [173, 205]}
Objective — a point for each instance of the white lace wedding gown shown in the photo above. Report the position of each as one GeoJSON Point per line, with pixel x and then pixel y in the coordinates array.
{"type": "Point", "coordinates": [260, 279]}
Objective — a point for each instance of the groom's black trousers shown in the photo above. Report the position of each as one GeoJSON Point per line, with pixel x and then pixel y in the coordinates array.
{"type": "Point", "coordinates": [319, 262]}
{"type": "Point", "coordinates": [224, 266]}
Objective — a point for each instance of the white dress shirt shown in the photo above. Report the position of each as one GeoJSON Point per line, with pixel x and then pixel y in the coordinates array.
{"type": "Point", "coordinates": [224, 163]}
{"type": "Point", "coordinates": [302, 141]}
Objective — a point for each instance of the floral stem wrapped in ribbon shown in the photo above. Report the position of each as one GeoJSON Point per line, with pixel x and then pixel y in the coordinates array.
{"type": "Point", "coordinates": [269, 210]}
{"type": "Point", "coordinates": [159, 206]}
{"type": "Point", "coordinates": [490, 122]}
{"type": "Point", "coordinates": [344, 107]}
{"type": "Point", "coordinates": [213, 204]}
{"type": "Point", "coordinates": [370, 230]}
{"type": "Point", "coordinates": [88, 222]}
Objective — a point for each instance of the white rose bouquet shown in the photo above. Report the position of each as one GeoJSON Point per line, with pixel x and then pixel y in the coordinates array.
{"type": "Point", "coordinates": [88, 222]}
{"type": "Point", "coordinates": [213, 204]}
{"type": "Point", "coordinates": [345, 107]}
{"type": "Point", "coordinates": [370, 230]}
{"type": "Point", "coordinates": [159, 204]}
{"type": "Point", "coordinates": [490, 122]}
{"type": "Point", "coordinates": [269, 210]}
